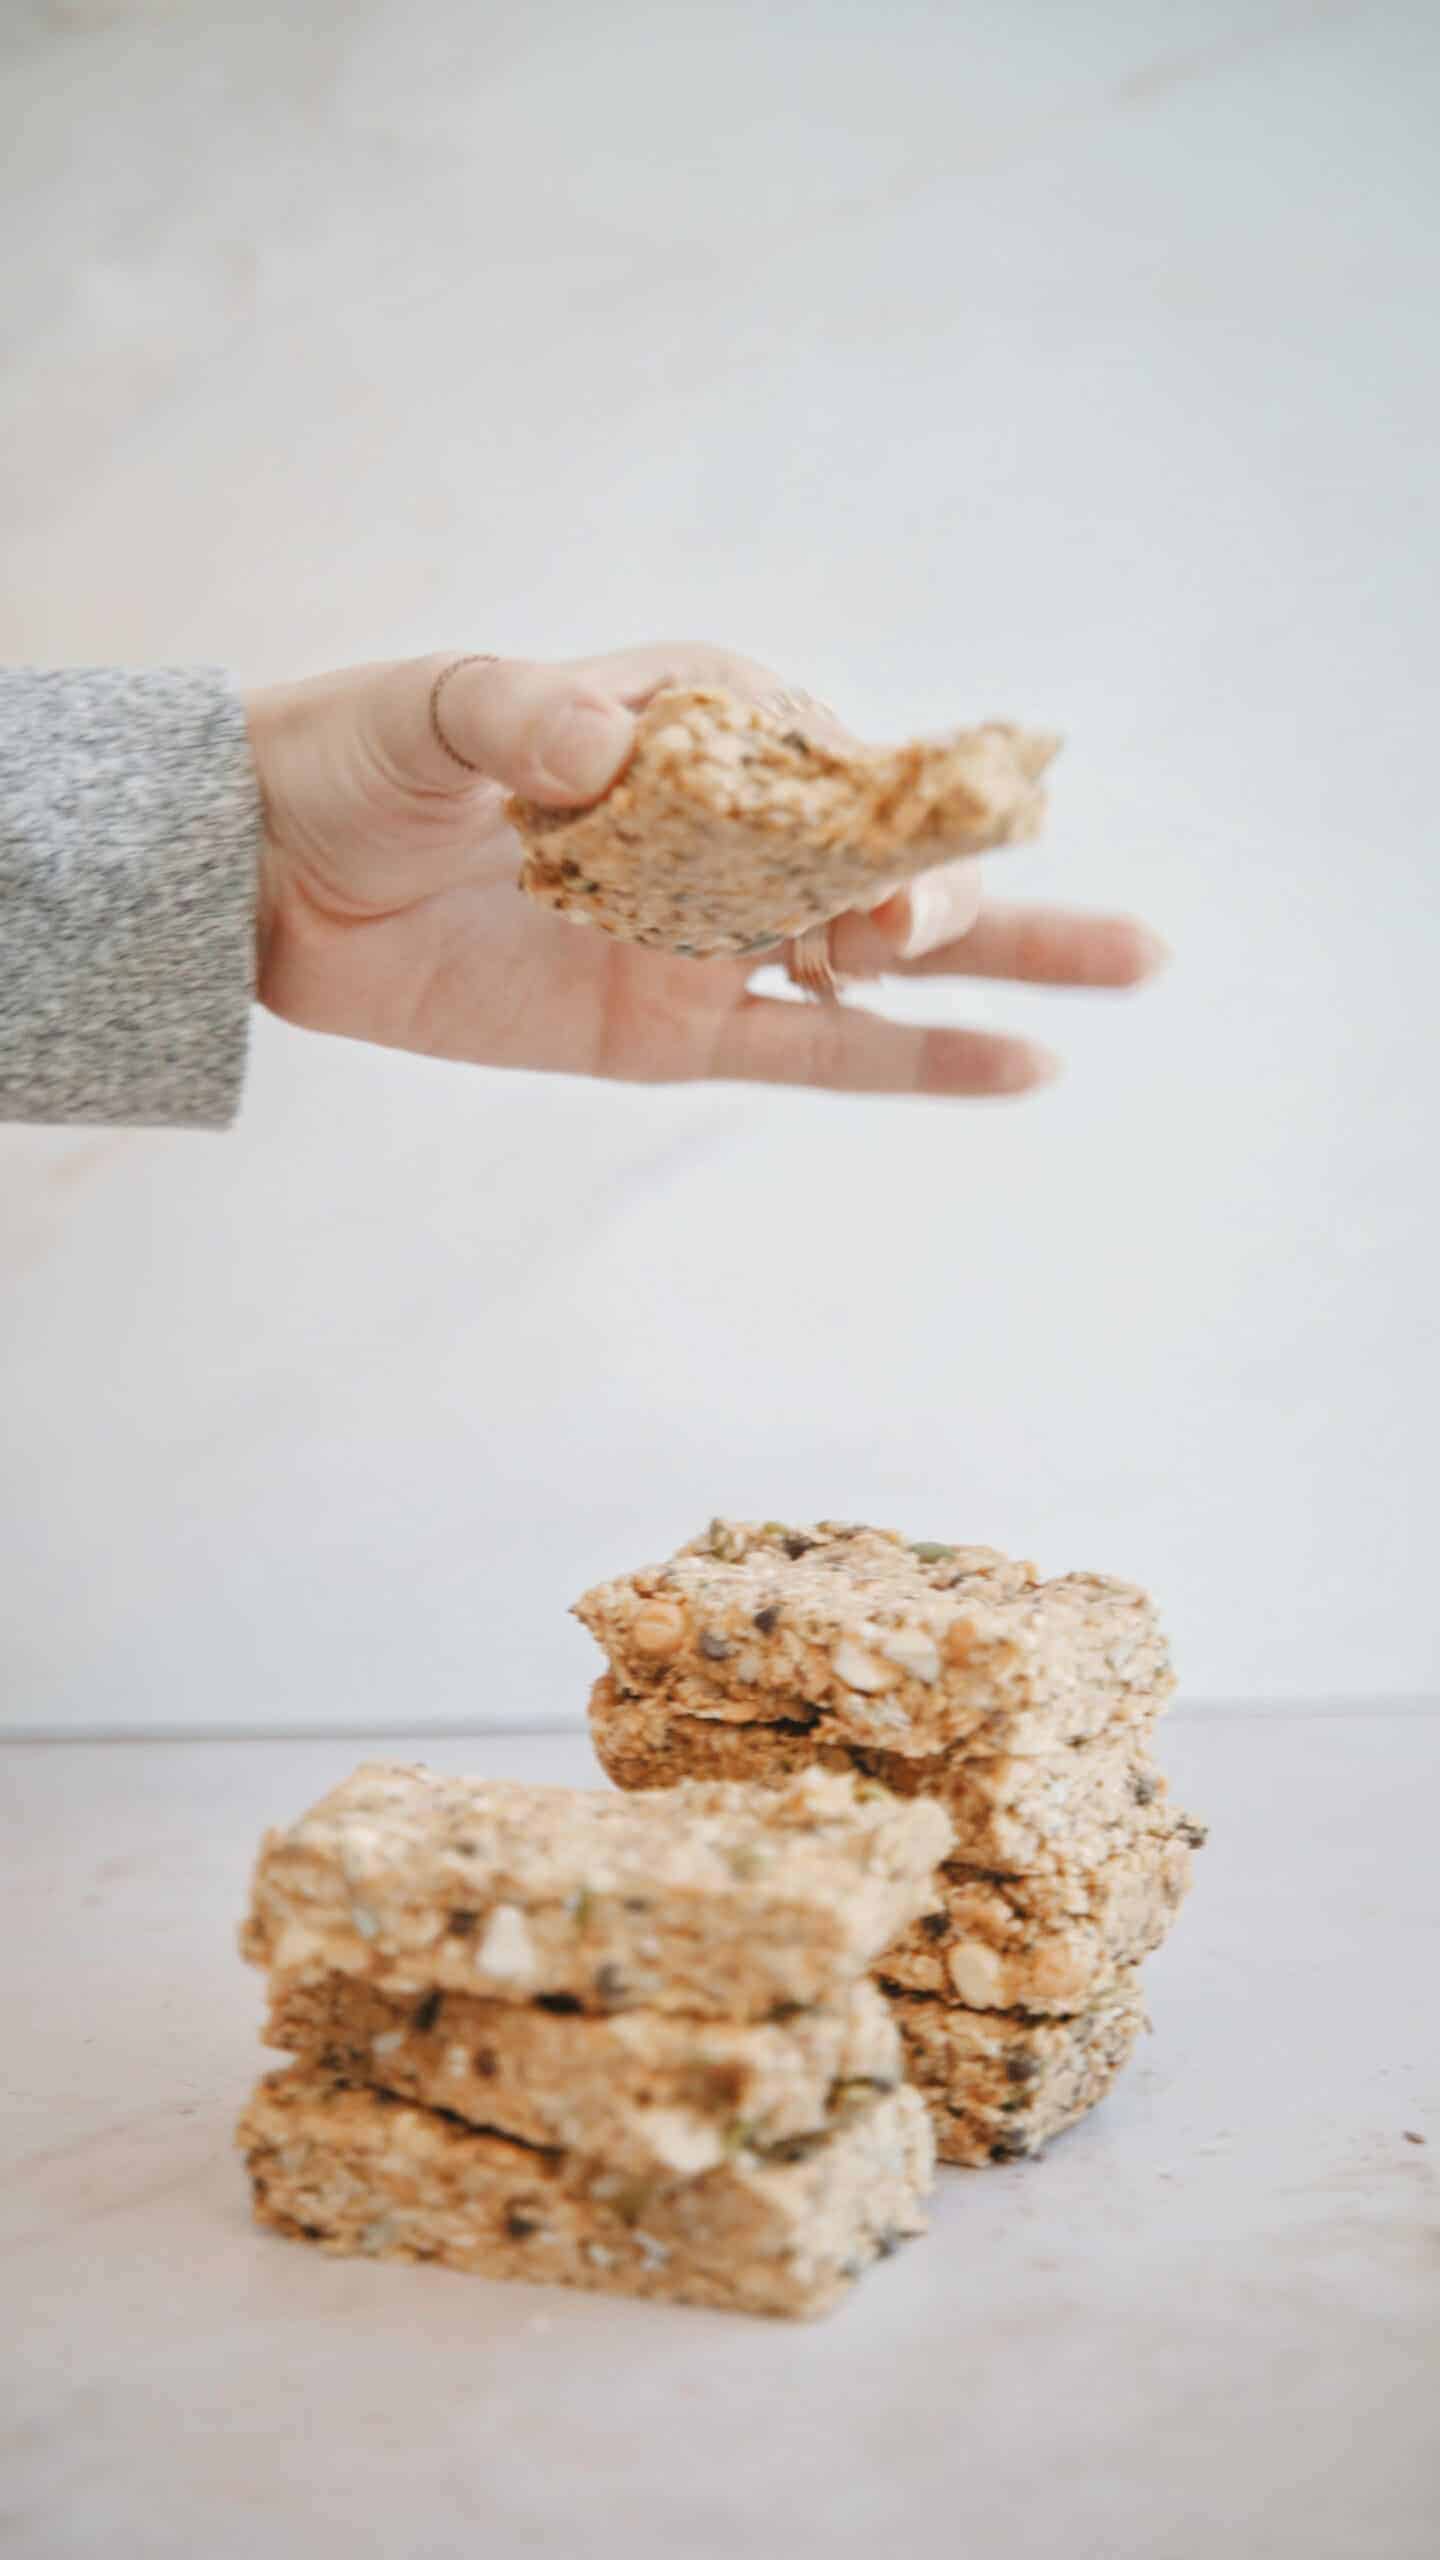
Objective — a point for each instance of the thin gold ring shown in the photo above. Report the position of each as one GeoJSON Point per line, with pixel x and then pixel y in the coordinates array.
{"type": "Point", "coordinates": [810, 963]}
{"type": "Point", "coordinates": [476, 658]}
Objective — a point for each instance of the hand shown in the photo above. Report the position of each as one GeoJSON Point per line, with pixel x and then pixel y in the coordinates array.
{"type": "Point", "coordinates": [389, 909]}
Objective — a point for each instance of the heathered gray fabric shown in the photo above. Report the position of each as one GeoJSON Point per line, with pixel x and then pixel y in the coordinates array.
{"type": "Point", "coordinates": [129, 844]}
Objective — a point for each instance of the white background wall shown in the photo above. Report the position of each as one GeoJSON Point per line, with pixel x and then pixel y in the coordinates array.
{"type": "Point", "coordinates": [1071, 361]}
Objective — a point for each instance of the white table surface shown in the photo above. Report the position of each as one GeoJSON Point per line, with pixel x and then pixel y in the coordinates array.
{"type": "Point", "coordinates": [1208, 2322]}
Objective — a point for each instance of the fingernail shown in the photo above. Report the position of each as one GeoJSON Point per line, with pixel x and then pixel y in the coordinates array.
{"type": "Point", "coordinates": [581, 746]}
{"type": "Point", "coordinates": [1153, 951]}
{"type": "Point", "coordinates": [922, 930]}
{"type": "Point", "coordinates": [1026, 1069]}
{"type": "Point", "coordinates": [943, 905]}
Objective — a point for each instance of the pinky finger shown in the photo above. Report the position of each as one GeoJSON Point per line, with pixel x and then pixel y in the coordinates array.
{"type": "Point", "coordinates": [838, 1048]}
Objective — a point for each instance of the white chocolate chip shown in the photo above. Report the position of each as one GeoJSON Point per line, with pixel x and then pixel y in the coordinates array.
{"type": "Point", "coordinates": [858, 1669]}
{"type": "Point", "coordinates": [913, 1650]}
{"type": "Point", "coordinates": [506, 1952]}
{"type": "Point", "coordinates": [682, 2141]}
{"type": "Point", "coordinates": [390, 2042]}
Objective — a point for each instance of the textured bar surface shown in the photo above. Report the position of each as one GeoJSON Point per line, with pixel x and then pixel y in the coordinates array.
{"type": "Point", "coordinates": [1054, 1942]}
{"type": "Point", "coordinates": [1000, 2087]}
{"type": "Point", "coordinates": [716, 1900]}
{"type": "Point", "coordinates": [358, 2172]}
{"type": "Point", "coordinates": [1018, 1816]}
{"type": "Point", "coordinates": [645, 2089]}
{"type": "Point", "coordinates": [911, 1648]}
{"type": "Point", "coordinates": [731, 827]}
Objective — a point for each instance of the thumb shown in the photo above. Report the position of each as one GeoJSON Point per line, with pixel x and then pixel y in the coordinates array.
{"type": "Point", "coordinates": [553, 735]}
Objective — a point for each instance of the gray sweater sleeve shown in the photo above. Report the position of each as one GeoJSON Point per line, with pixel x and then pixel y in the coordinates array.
{"type": "Point", "coordinates": [129, 844]}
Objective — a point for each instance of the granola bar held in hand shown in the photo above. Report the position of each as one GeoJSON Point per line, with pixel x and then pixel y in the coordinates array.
{"type": "Point", "coordinates": [731, 828]}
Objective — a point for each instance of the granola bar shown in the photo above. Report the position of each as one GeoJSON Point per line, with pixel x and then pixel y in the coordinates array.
{"type": "Point", "coordinates": [652, 2092]}
{"type": "Point", "coordinates": [1017, 1816]}
{"type": "Point", "coordinates": [731, 828]}
{"type": "Point", "coordinates": [912, 1648]}
{"type": "Point", "coordinates": [719, 1900]}
{"type": "Point", "coordinates": [357, 2171]}
{"type": "Point", "coordinates": [1000, 2087]}
{"type": "Point", "coordinates": [1053, 1942]}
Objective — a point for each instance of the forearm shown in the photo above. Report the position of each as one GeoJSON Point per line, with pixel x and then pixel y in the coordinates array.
{"type": "Point", "coordinates": [129, 842]}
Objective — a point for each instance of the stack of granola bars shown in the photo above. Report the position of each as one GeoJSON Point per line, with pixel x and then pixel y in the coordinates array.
{"type": "Point", "coordinates": [620, 2042]}
{"type": "Point", "coordinates": [1025, 1707]}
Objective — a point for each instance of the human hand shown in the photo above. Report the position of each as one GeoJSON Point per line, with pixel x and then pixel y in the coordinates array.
{"type": "Point", "coordinates": [389, 909]}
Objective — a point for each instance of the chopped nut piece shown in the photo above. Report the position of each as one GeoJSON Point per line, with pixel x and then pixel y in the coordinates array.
{"type": "Point", "coordinates": [659, 1630]}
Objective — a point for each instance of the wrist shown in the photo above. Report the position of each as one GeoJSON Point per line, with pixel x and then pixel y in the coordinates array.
{"type": "Point", "coordinates": [259, 710]}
